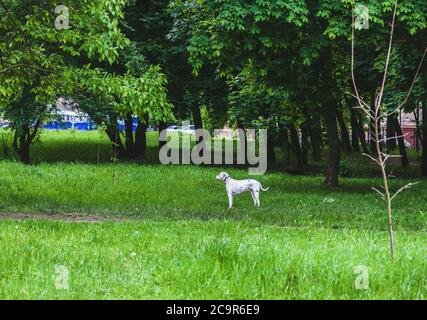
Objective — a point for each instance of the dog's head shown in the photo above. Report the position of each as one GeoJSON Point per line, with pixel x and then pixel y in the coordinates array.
{"type": "Point", "coordinates": [223, 176]}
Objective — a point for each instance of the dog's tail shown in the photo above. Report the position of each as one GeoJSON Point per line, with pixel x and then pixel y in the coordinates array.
{"type": "Point", "coordinates": [264, 189]}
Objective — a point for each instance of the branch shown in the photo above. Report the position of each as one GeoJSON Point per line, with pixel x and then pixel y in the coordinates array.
{"type": "Point", "coordinates": [395, 137]}
{"type": "Point", "coordinates": [353, 78]}
{"type": "Point", "coordinates": [16, 24]}
{"type": "Point", "coordinates": [390, 113]}
{"type": "Point", "coordinates": [367, 112]}
{"type": "Point", "coordinates": [34, 133]}
{"type": "Point", "coordinates": [380, 95]}
{"type": "Point", "coordinates": [372, 158]}
{"type": "Point", "coordinates": [385, 157]}
{"type": "Point", "coordinates": [363, 106]}
{"type": "Point", "coordinates": [365, 109]}
{"type": "Point", "coordinates": [19, 65]}
{"type": "Point", "coordinates": [363, 102]}
{"type": "Point", "coordinates": [379, 192]}
{"type": "Point", "coordinates": [413, 81]}
{"type": "Point", "coordinates": [389, 156]}
{"type": "Point", "coordinates": [408, 186]}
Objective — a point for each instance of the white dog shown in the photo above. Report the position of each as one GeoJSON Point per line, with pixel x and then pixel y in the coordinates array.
{"type": "Point", "coordinates": [234, 187]}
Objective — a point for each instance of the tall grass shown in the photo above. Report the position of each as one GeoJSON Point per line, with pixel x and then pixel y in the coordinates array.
{"type": "Point", "coordinates": [205, 260]}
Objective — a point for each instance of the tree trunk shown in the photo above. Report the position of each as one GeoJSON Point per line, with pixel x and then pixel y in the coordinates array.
{"type": "Point", "coordinates": [141, 139]}
{"type": "Point", "coordinates": [362, 136]}
{"type": "Point", "coordinates": [304, 144]}
{"type": "Point", "coordinates": [162, 126]}
{"type": "Point", "coordinates": [197, 117]}
{"type": "Point", "coordinates": [22, 140]}
{"type": "Point", "coordinates": [295, 144]}
{"type": "Point", "coordinates": [25, 153]}
{"type": "Point", "coordinates": [286, 147]}
{"type": "Point", "coordinates": [243, 141]}
{"type": "Point", "coordinates": [334, 153]}
{"type": "Point", "coordinates": [130, 146]}
{"type": "Point", "coordinates": [329, 108]}
{"type": "Point", "coordinates": [316, 142]}
{"type": "Point", "coordinates": [418, 134]}
{"type": "Point", "coordinates": [372, 137]}
{"type": "Point", "coordinates": [115, 140]}
{"type": "Point", "coordinates": [24, 150]}
{"type": "Point", "coordinates": [424, 143]}
{"type": "Point", "coordinates": [355, 136]}
{"type": "Point", "coordinates": [401, 143]}
{"type": "Point", "coordinates": [345, 138]}
{"type": "Point", "coordinates": [271, 155]}
{"type": "Point", "coordinates": [109, 119]}
{"type": "Point", "coordinates": [198, 124]}
{"type": "Point", "coordinates": [391, 132]}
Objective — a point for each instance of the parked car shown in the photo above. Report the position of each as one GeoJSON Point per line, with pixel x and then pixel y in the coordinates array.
{"type": "Point", "coordinates": [173, 128]}
{"type": "Point", "coordinates": [189, 129]}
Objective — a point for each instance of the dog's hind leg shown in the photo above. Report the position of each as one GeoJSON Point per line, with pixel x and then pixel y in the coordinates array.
{"type": "Point", "coordinates": [253, 198]}
{"type": "Point", "coordinates": [256, 194]}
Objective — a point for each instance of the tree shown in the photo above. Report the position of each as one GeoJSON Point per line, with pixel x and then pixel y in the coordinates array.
{"type": "Point", "coordinates": [40, 62]}
{"type": "Point", "coordinates": [248, 34]}
{"type": "Point", "coordinates": [377, 112]}
{"type": "Point", "coordinates": [150, 25]}
{"type": "Point", "coordinates": [27, 116]}
{"type": "Point", "coordinates": [124, 96]}
{"type": "Point", "coordinates": [34, 55]}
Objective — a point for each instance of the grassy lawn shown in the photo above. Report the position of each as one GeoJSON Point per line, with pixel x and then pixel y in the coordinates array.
{"type": "Point", "coordinates": [205, 260]}
{"type": "Point", "coordinates": [304, 241]}
{"type": "Point", "coordinates": [191, 192]}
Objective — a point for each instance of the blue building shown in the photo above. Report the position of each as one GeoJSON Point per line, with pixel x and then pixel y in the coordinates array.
{"type": "Point", "coordinates": [68, 116]}
{"type": "Point", "coordinates": [70, 119]}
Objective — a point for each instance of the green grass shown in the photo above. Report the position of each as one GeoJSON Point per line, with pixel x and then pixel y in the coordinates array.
{"type": "Point", "coordinates": [70, 146]}
{"type": "Point", "coordinates": [191, 192]}
{"type": "Point", "coordinates": [84, 147]}
{"type": "Point", "coordinates": [205, 260]}
{"type": "Point", "coordinates": [304, 242]}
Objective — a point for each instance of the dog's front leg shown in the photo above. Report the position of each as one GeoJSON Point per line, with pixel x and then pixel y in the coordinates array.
{"type": "Point", "coordinates": [230, 200]}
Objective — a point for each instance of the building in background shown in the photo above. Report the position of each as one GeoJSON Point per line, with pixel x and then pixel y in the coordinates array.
{"type": "Point", "coordinates": [69, 116]}
{"type": "Point", "coordinates": [408, 123]}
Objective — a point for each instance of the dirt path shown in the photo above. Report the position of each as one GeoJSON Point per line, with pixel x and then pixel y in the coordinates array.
{"type": "Point", "coordinates": [69, 217]}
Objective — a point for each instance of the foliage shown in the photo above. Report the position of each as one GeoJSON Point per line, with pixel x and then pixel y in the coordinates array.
{"type": "Point", "coordinates": [140, 96]}
{"type": "Point", "coordinates": [34, 52]}
{"type": "Point", "coordinates": [42, 62]}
